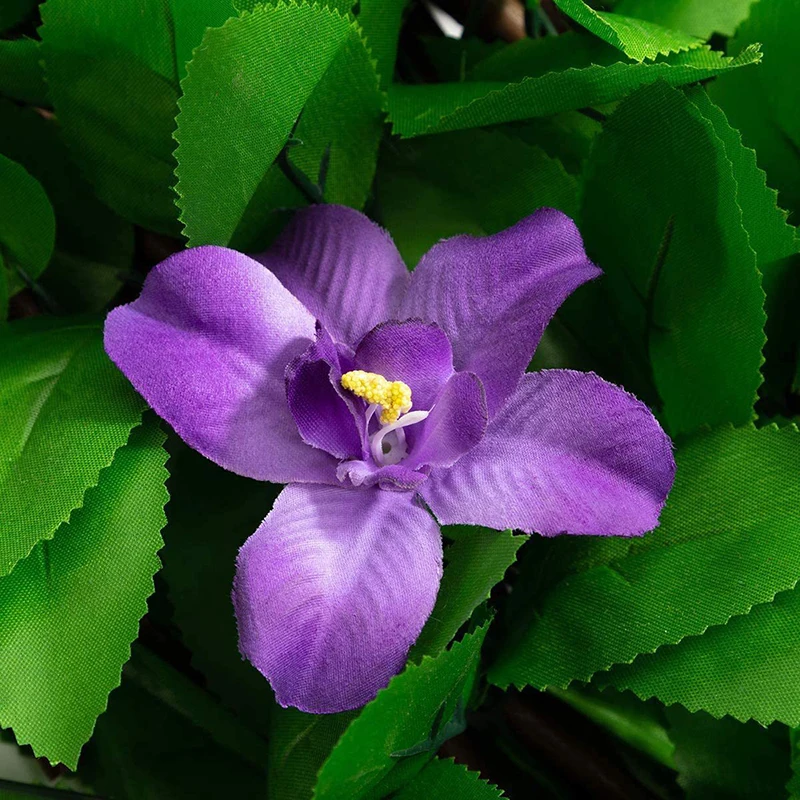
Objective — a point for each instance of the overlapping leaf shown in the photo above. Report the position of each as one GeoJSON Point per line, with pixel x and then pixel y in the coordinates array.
{"type": "Point", "coordinates": [444, 778]}
{"type": "Point", "coordinates": [65, 409]}
{"type": "Point", "coordinates": [228, 143]}
{"type": "Point", "coordinates": [72, 607]}
{"type": "Point", "coordinates": [724, 545]}
{"type": "Point", "coordinates": [697, 18]}
{"type": "Point", "coordinates": [21, 73]}
{"type": "Point", "coordinates": [437, 108]}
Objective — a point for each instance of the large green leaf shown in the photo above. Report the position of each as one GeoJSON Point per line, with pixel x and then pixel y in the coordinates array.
{"type": "Point", "coordinates": [722, 759]}
{"type": "Point", "coordinates": [113, 75]}
{"type": "Point", "coordinates": [406, 714]}
{"type": "Point", "coordinates": [506, 179]}
{"type": "Point", "coordinates": [228, 142]}
{"type": "Point", "coordinates": [660, 216]}
{"type": "Point", "coordinates": [762, 103]}
{"type": "Point", "coordinates": [380, 21]}
{"type": "Point", "coordinates": [65, 409]}
{"type": "Point", "coordinates": [72, 608]}
{"type": "Point", "coordinates": [742, 668]}
{"type": "Point", "coordinates": [444, 778]}
{"type": "Point", "coordinates": [724, 545]}
{"type": "Point", "coordinates": [475, 561]}
{"type": "Point", "coordinates": [21, 73]}
{"type": "Point", "coordinates": [211, 513]}
{"type": "Point", "coordinates": [415, 110]}
{"type": "Point", "coordinates": [27, 224]}
{"type": "Point", "coordinates": [93, 245]}
{"type": "Point", "coordinates": [636, 38]}
{"type": "Point", "coordinates": [697, 18]}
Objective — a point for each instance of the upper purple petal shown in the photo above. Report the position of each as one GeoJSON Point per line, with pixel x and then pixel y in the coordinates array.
{"type": "Point", "coordinates": [455, 426]}
{"type": "Point", "coordinates": [569, 453]}
{"type": "Point", "coordinates": [417, 353]}
{"type": "Point", "coordinates": [207, 344]}
{"type": "Point", "coordinates": [313, 391]}
{"type": "Point", "coordinates": [493, 296]}
{"type": "Point", "coordinates": [331, 591]}
{"type": "Point", "coordinates": [343, 267]}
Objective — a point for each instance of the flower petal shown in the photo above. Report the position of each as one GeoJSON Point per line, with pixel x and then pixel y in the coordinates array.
{"type": "Point", "coordinates": [569, 453]}
{"type": "Point", "coordinates": [494, 296]}
{"type": "Point", "coordinates": [417, 353]}
{"type": "Point", "coordinates": [207, 344]}
{"type": "Point", "coordinates": [322, 415]}
{"type": "Point", "coordinates": [331, 591]}
{"type": "Point", "coordinates": [456, 424]}
{"type": "Point", "coordinates": [343, 267]}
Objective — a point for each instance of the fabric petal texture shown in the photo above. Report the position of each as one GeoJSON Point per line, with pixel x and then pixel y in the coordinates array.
{"type": "Point", "coordinates": [343, 267]}
{"type": "Point", "coordinates": [569, 453]}
{"type": "Point", "coordinates": [207, 344]}
{"type": "Point", "coordinates": [417, 353]}
{"type": "Point", "coordinates": [494, 296]}
{"type": "Point", "coordinates": [332, 590]}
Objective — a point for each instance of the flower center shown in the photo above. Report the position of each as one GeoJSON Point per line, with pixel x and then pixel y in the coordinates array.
{"type": "Point", "coordinates": [388, 443]}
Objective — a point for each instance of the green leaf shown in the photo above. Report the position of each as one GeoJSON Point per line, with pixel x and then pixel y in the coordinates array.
{"type": "Point", "coordinates": [506, 180]}
{"type": "Point", "coordinates": [227, 148]}
{"type": "Point", "coordinates": [677, 261]}
{"type": "Point", "coordinates": [635, 37]}
{"type": "Point", "coordinates": [27, 225]}
{"type": "Point", "coordinates": [65, 409]}
{"type": "Point", "coordinates": [699, 19]}
{"type": "Point", "coordinates": [380, 21]}
{"type": "Point", "coordinates": [722, 759]}
{"type": "Point", "coordinates": [773, 240]}
{"type": "Point", "coordinates": [363, 757]}
{"type": "Point", "coordinates": [444, 778]}
{"type": "Point", "coordinates": [299, 745]}
{"type": "Point", "coordinates": [144, 750]}
{"type": "Point", "coordinates": [21, 73]}
{"type": "Point", "coordinates": [93, 245]}
{"type": "Point", "coordinates": [113, 75]}
{"type": "Point", "coordinates": [211, 513]}
{"type": "Point", "coordinates": [724, 545]}
{"type": "Point", "coordinates": [415, 110]}
{"type": "Point", "coordinates": [3, 288]}
{"type": "Point", "coordinates": [762, 103]}
{"type": "Point", "coordinates": [72, 607]}
{"type": "Point", "coordinates": [740, 668]}
{"type": "Point", "coordinates": [476, 560]}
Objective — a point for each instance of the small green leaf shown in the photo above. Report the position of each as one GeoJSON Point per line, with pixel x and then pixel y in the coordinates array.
{"type": "Point", "coordinates": [506, 180]}
{"type": "Point", "coordinates": [380, 22]}
{"type": "Point", "coordinates": [677, 261]}
{"type": "Point", "coordinates": [27, 225]}
{"type": "Point", "coordinates": [400, 717]}
{"type": "Point", "coordinates": [21, 72]}
{"type": "Point", "coordinates": [444, 778]}
{"type": "Point", "coordinates": [635, 37]}
{"type": "Point", "coordinates": [416, 110]}
{"type": "Point", "coordinates": [476, 560]}
{"type": "Point", "coordinates": [228, 143]}
{"type": "Point", "coordinates": [723, 546]}
{"type": "Point", "coordinates": [72, 607]}
{"type": "Point", "coordinates": [699, 19]}
{"type": "Point", "coordinates": [65, 409]}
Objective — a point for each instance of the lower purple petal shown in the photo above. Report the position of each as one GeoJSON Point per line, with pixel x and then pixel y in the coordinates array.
{"type": "Point", "coordinates": [568, 453]}
{"type": "Point", "coordinates": [332, 590]}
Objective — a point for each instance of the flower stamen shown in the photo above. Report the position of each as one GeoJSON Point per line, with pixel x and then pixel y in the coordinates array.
{"type": "Point", "coordinates": [394, 397]}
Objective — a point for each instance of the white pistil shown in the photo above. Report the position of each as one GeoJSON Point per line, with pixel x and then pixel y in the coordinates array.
{"type": "Point", "coordinates": [397, 453]}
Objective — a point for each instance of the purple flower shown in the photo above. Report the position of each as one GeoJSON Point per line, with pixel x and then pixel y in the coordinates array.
{"type": "Point", "coordinates": [373, 393]}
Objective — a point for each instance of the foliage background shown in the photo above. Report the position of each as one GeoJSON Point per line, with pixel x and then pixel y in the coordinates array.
{"type": "Point", "coordinates": [662, 667]}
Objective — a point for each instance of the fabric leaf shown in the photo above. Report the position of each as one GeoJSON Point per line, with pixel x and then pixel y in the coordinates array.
{"type": "Point", "coordinates": [66, 410]}
{"type": "Point", "coordinates": [635, 37]}
{"type": "Point", "coordinates": [363, 757]}
{"type": "Point", "coordinates": [723, 546]}
{"type": "Point", "coordinates": [72, 607]}
{"type": "Point", "coordinates": [416, 110]}
{"type": "Point", "coordinates": [21, 73]}
{"type": "Point", "coordinates": [241, 138]}
{"type": "Point", "coordinates": [444, 778]}
{"type": "Point", "coordinates": [699, 19]}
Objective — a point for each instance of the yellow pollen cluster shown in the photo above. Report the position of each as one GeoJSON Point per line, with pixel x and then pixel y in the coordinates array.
{"type": "Point", "coordinates": [394, 397]}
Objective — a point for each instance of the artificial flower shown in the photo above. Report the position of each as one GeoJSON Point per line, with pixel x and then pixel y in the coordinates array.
{"type": "Point", "coordinates": [390, 403]}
